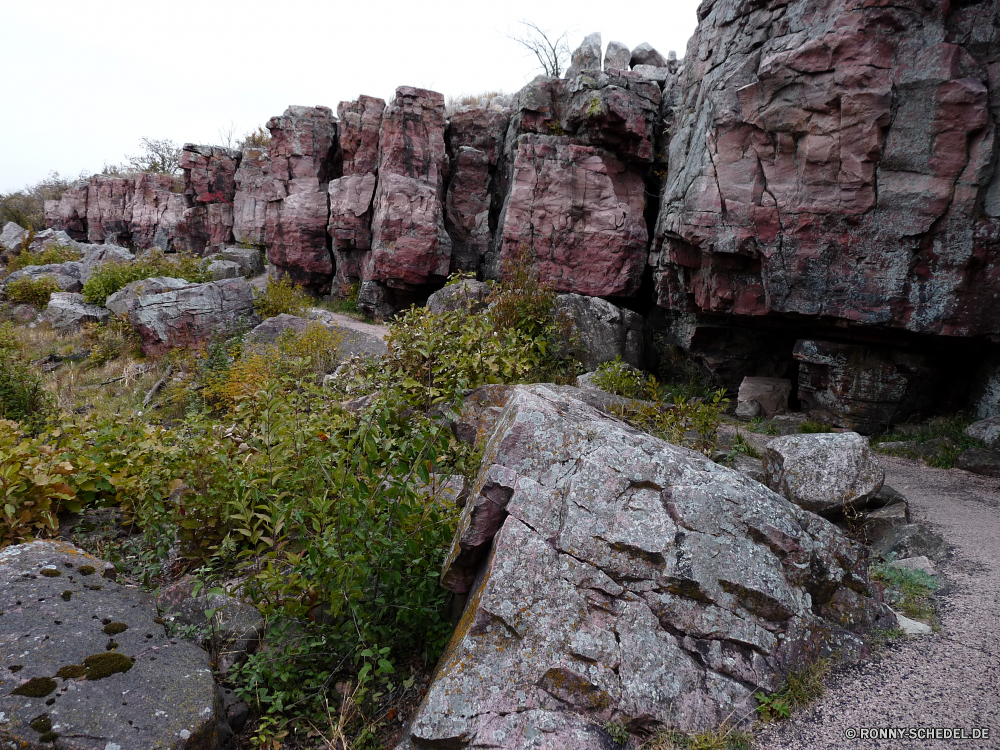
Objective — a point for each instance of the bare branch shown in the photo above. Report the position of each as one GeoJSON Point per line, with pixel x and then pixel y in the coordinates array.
{"type": "Point", "coordinates": [551, 53]}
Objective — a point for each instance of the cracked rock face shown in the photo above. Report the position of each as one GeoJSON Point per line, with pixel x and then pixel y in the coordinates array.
{"type": "Point", "coordinates": [614, 576]}
{"type": "Point", "coordinates": [837, 159]}
{"type": "Point", "coordinates": [55, 615]}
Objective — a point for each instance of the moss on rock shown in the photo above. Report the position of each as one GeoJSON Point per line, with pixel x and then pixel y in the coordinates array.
{"type": "Point", "coordinates": [104, 665]}
{"type": "Point", "coordinates": [114, 628]}
{"type": "Point", "coordinates": [51, 572]}
{"type": "Point", "coordinates": [36, 687]}
{"type": "Point", "coordinates": [71, 671]}
{"type": "Point", "coordinates": [86, 570]}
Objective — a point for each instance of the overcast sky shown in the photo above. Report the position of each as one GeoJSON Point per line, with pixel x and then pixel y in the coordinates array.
{"type": "Point", "coordinates": [83, 81]}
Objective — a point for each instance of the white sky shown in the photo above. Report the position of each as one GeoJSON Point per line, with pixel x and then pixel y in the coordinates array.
{"type": "Point", "coordinates": [85, 79]}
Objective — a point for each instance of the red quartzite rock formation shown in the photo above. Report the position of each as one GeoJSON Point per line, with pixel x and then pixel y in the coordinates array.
{"type": "Point", "coordinates": [209, 189]}
{"type": "Point", "coordinates": [837, 160]}
{"type": "Point", "coordinates": [254, 189]}
{"type": "Point", "coordinates": [156, 211]}
{"type": "Point", "coordinates": [69, 213]}
{"type": "Point", "coordinates": [109, 210]}
{"type": "Point", "coordinates": [302, 155]}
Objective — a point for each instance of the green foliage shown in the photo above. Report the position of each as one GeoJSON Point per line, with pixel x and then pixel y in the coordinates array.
{"type": "Point", "coordinates": [693, 423]}
{"type": "Point", "coordinates": [762, 425]}
{"type": "Point", "coordinates": [23, 397]}
{"type": "Point", "coordinates": [26, 207]}
{"type": "Point", "coordinates": [624, 380]}
{"type": "Point", "coordinates": [115, 275]}
{"type": "Point", "coordinates": [282, 296]}
{"type": "Point", "coordinates": [29, 290]}
{"type": "Point", "coordinates": [742, 445]}
{"type": "Point", "coordinates": [52, 254]}
{"type": "Point", "coordinates": [948, 436]}
{"type": "Point", "coordinates": [810, 427]}
{"type": "Point", "coordinates": [617, 731]}
{"type": "Point", "coordinates": [111, 339]}
{"type": "Point", "coordinates": [909, 590]}
{"type": "Point", "coordinates": [800, 689]}
{"type": "Point", "coordinates": [725, 737]}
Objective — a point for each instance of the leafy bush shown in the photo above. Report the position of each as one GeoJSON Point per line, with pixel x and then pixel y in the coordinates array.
{"type": "Point", "coordinates": [115, 275]}
{"type": "Point", "coordinates": [29, 290]}
{"type": "Point", "coordinates": [52, 254]}
{"type": "Point", "coordinates": [22, 395]}
{"type": "Point", "coordinates": [282, 296]}
{"type": "Point", "coordinates": [111, 339]}
{"type": "Point", "coordinates": [624, 380]}
{"type": "Point", "coordinates": [693, 422]}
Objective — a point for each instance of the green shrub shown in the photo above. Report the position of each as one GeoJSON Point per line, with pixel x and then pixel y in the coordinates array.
{"type": "Point", "coordinates": [23, 397]}
{"type": "Point", "coordinates": [51, 254]}
{"type": "Point", "coordinates": [693, 423]}
{"type": "Point", "coordinates": [282, 296]}
{"type": "Point", "coordinates": [810, 427]}
{"type": "Point", "coordinates": [115, 275]}
{"type": "Point", "coordinates": [800, 689]}
{"type": "Point", "coordinates": [29, 290]}
{"type": "Point", "coordinates": [910, 590]}
{"type": "Point", "coordinates": [623, 380]}
{"type": "Point", "coordinates": [111, 339]}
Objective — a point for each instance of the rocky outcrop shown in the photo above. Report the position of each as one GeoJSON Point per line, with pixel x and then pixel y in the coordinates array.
{"type": "Point", "coordinates": [613, 576]}
{"type": "Point", "coordinates": [209, 190]}
{"type": "Point", "coordinates": [156, 212]}
{"type": "Point", "coordinates": [12, 236]}
{"type": "Point", "coordinates": [586, 58]}
{"type": "Point", "coordinates": [254, 189]}
{"type": "Point", "coordinates": [69, 683]}
{"type": "Point", "coordinates": [770, 394]}
{"type": "Point", "coordinates": [67, 310]}
{"type": "Point", "coordinates": [66, 275]}
{"type": "Point", "coordinates": [109, 210]}
{"type": "Point", "coordinates": [69, 213]}
{"type": "Point", "coordinates": [302, 156]}
{"type": "Point", "coordinates": [117, 303]}
{"type": "Point", "coordinates": [602, 330]}
{"type": "Point", "coordinates": [616, 57]}
{"type": "Point", "coordinates": [838, 161]}
{"type": "Point", "coordinates": [190, 315]}
{"type": "Point", "coordinates": [823, 473]}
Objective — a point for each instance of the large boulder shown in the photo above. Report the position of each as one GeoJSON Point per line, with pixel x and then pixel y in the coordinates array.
{"type": "Point", "coordinates": [468, 295]}
{"type": "Point", "coordinates": [12, 236]}
{"type": "Point", "coordinates": [616, 57]}
{"type": "Point", "coordinates": [577, 212]}
{"type": "Point", "coordinates": [296, 238]}
{"type": "Point", "coordinates": [117, 303]}
{"type": "Point", "coordinates": [587, 57]}
{"type": "Point", "coordinates": [646, 54]}
{"type": "Point", "coordinates": [836, 161]}
{"type": "Point", "coordinates": [72, 684]}
{"type": "Point", "coordinates": [157, 209]}
{"type": "Point", "coordinates": [825, 473]}
{"type": "Point", "coordinates": [67, 310]}
{"type": "Point", "coordinates": [614, 576]}
{"type": "Point", "coordinates": [604, 331]}
{"type": "Point", "coordinates": [69, 213]}
{"type": "Point", "coordinates": [191, 315]}
{"type": "Point", "coordinates": [66, 275]}
{"type": "Point", "coordinates": [771, 393]}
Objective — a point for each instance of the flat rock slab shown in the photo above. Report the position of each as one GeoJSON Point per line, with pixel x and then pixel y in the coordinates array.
{"type": "Point", "coordinates": [55, 620]}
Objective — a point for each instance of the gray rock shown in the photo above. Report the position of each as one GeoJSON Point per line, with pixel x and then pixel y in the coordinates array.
{"type": "Point", "coordinates": [236, 709]}
{"type": "Point", "coordinates": [467, 294]}
{"type": "Point", "coordinates": [751, 468]}
{"type": "Point", "coordinates": [118, 302]}
{"type": "Point", "coordinates": [987, 431]}
{"type": "Point", "coordinates": [617, 57]}
{"type": "Point", "coordinates": [189, 316]}
{"type": "Point", "coordinates": [750, 409]}
{"type": "Point", "coordinates": [771, 393]}
{"type": "Point", "coordinates": [250, 260]}
{"type": "Point", "coordinates": [921, 563]}
{"type": "Point", "coordinates": [653, 73]}
{"type": "Point", "coordinates": [646, 54]}
{"type": "Point", "coordinates": [51, 237]}
{"type": "Point", "coordinates": [605, 331]}
{"type": "Point", "coordinates": [587, 57]}
{"type": "Point", "coordinates": [166, 698]}
{"type": "Point", "coordinates": [224, 269]}
{"type": "Point", "coordinates": [823, 472]}
{"type": "Point", "coordinates": [67, 310]}
{"type": "Point", "coordinates": [911, 540]}
{"type": "Point", "coordinates": [12, 236]}
{"type": "Point", "coordinates": [269, 331]}
{"type": "Point", "coordinates": [979, 461]}
{"type": "Point", "coordinates": [913, 627]}
{"type": "Point", "coordinates": [880, 522]}
{"type": "Point", "coordinates": [67, 275]}
{"type": "Point", "coordinates": [24, 314]}
{"type": "Point", "coordinates": [613, 574]}
{"type": "Point", "coordinates": [97, 255]}
{"type": "Point", "coordinates": [353, 343]}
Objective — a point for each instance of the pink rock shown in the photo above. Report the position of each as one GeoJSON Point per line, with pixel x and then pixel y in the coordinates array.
{"type": "Point", "coordinates": [209, 174]}
{"type": "Point", "coordinates": [579, 212]}
{"type": "Point", "coordinates": [156, 211]}
{"type": "Point", "coordinates": [254, 187]}
{"type": "Point", "coordinates": [302, 150]}
{"type": "Point", "coordinates": [204, 229]}
{"type": "Point", "coordinates": [350, 225]}
{"type": "Point", "coordinates": [69, 213]}
{"type": "Point", "coordinates": [843, 174]}
{"type": "Point", "coordinates": [411, 142]}
{"type": "Point", "coordinates": [109, 210]}
{"type": "Point", "coordinates": [296, 238]}
{"type": "Point", "coordinates": [360, 122]}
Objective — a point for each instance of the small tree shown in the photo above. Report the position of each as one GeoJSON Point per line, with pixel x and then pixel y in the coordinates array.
{"type": "Point", "coordinates": [27, 206]}
{"type": "Point", "coordinates": [158, 156]}
{"type": "Point", "coordinates": [552, 54]}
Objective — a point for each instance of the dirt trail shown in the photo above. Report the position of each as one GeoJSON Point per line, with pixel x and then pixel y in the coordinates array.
{"type": "Point", "coordinates": [948, 679]}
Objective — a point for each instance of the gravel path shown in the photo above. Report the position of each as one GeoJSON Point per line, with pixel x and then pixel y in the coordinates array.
{"type": "Point", "coordinates": [948, 679]}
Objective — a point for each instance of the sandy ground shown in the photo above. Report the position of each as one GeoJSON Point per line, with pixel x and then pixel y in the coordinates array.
{"type": "Point", "coordinates": [948, 679]}
{"type": "Point", "coordinates": [379, 331]}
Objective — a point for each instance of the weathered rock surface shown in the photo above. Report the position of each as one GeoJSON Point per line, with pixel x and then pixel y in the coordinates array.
{"type": "Point", "coordinates": [296, 238]}
{"type": "Point", "coordinates": [577, 213]}
{"type": "Point", "coordinates": [360, 122]}
{"type": "Point", "coordinates": [646, 54]}
{"type": "Point", "coordinates": [615, 576]}
{"type": "Point", "coordinates": [109, 210]}
{"type": "Point", "coordinates": [880, 522]}
{"type": "Point", "coordinates": [823, 473]}
{"type": "Point", "coordinates": [254, 188]}
{"type": "Point", "coordinates": [67, 310]}
{"type": "Point", "coordinates": [209, 173]}
{"type": "Point", "coordinates": [191, 315]}
{"type": "Point", "coordinates": [467, 295]}
{"type": "Point", "coordinates": [911, 540]}
{"type": "Point", "coordinates": [587, 57]}
{"type": "Point", "coordinates": [303, 148]}
{"type": "Point", "coordinates": [771, 393]}
{"type": "Point", "coordinates": [223, 269]}
{"type": "Point", "coordinates": [156, 212]}
{"type": "Point", "coordinates": [69, 213]}
{"type": "Point", "coordinates": [117, 303]}
{"type": "Point", "coordinates": [979, 461]}
{"type": "Point", "coordinates": [249, 259]}
{"type": "Point", "coordinates": [95, 256]}
{"type": "Point", "coordinates": [986, 431]}
{"type": "Point", "coordinates": [837, 160]}
{"type": "Point", "coordinates": [409, 243]}
{"type": "Point", "coordinates": [12, 236]}
{"type": "Point", "coordinates": [55, 617]}
{"type": "Point", "coordinates": [605, 331]}
{"type": "Point", "coordinates": [66, 275]}
{"type": "Point", "coordinates": [616, 57]}
{"type": "Point", "coordinates": [350, 226]}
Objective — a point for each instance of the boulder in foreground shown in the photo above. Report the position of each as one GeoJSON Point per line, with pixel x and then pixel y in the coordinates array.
{"type": "Point", "coordinates": [94, 670]}
{"type": "Point", "coordinates": [614, 576]}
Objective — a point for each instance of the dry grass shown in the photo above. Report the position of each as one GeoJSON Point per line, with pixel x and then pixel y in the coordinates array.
{"type": "Point", "coordinates": [462, 102]}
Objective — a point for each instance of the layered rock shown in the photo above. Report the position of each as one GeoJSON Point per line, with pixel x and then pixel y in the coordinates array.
{"type": "Point", "coordinates": [352, 195]}
{"type": "Point", "coordinates": [410, 246]}
{"type": "Point", "coordinates": [302, 156]}
{"type": "Point", "coordinates": [156, 212]}
{"type": "Point", "coordinates": [209, 190]}
{"type": "Point", "coordinates": [613, 576]}
{"type": "Point", "coordinates": [69, 213]}
{"type": "Point", "coordinates": [190, 315]}
{"type": "Point", "coordinates": [253, 191]}
{"type": "Point", "coordinates": [838, 161]}
{"type": "Point", "coordinates": [109, 210]}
